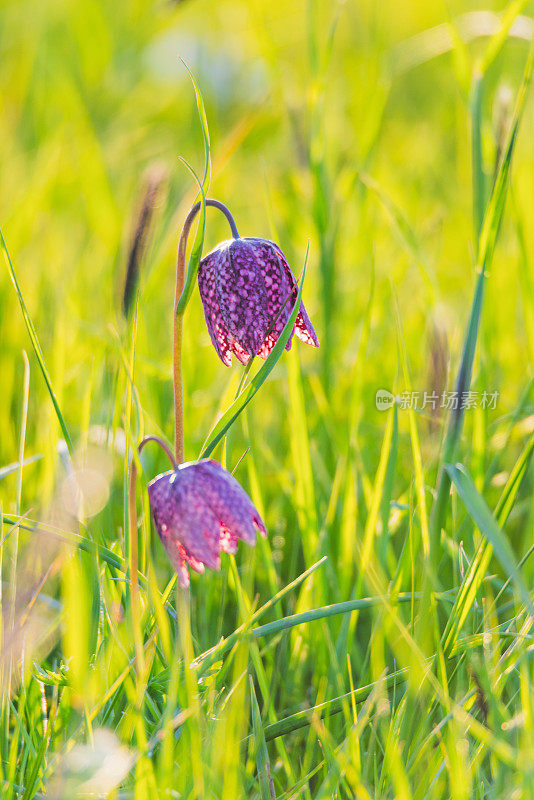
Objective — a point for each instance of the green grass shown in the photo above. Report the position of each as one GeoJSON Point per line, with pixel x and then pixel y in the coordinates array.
{"type": "Point", "coordinates": [378, 644]}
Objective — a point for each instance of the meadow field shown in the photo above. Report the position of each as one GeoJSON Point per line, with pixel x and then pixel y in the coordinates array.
{"type": "Point", "coordinates": [378, 643]}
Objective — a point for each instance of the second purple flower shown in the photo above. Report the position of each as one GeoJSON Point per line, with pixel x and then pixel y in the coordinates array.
{"type": "Point", "coordinates": [248, 291]}
{"type": "Point", "coordinates": [200, 510]}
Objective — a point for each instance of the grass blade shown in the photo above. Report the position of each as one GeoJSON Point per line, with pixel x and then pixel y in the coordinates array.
{"type": "Point", "coordinates": [488, 238]}
{"type": "Point", "coordinates": [475, 574]}
{"type": "Point", "coordinates": [326, 611]}
{"type": "Point", "coordinates": [35, 344]}
{"type": "Point", "coordinates": [9, 469]}
{"type": "Point", "coordinates": [196, 250]}
{"type": "Point", "coordinates": [416, 444]}
{"type": "Point", "coordinates": [498, 40]}
{"type": "Point", "coordinates": [263, 764]}
{"type": "Point", "coordinates": [302, 718]}
{"type": "Point", "coordinates": [481, 515]}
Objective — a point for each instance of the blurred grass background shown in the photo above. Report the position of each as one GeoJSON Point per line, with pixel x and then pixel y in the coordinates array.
{"type": "Point", "coordinates": [347, 124]}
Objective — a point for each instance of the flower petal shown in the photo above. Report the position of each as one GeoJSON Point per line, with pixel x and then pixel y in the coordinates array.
{"type": "Point", "coordinates": [280, 286]}
{"type": "Point", "coordinates": [188, 528]}
{"type": "Point", "coordinates": [207, 272]}
{"type": "Point", "coordinates": [242, 296]}
{"type": "Point", "coordinates": [200, 510]}
{"type": "Point", "coordinates": [183, 574]}
{"type": "Point", "coordinates": [227, 540]}
{"type": "Point", "coordinates": [238, 351]}
{"type": "Point", "coordinates": [304, 329]}
{"type": "Point", "coordinates": [230, 503]}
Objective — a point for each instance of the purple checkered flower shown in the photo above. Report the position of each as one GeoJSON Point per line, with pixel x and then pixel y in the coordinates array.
{"type": "Point", "coordinates": [200, 511]}
{"type": "Point", "coordinates": [248, 292]}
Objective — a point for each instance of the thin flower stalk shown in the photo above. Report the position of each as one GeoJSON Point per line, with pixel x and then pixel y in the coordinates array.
{"type": "Point", "coordinates": [179, 309]}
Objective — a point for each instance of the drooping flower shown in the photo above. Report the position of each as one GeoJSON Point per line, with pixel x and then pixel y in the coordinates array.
{"type": "Point", "coordinates": [200, 511]}
{"type": "Point", "coordinates": [248, 292]}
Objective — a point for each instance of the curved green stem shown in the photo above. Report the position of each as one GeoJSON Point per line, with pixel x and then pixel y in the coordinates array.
{"type": "Point", "coordinates": [179, 308]}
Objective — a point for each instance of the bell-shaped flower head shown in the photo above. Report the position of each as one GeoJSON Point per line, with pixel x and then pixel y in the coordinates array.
{"type": "Point", "coordinates": [200, 510]}
{"type": "Point", "coordinates": [248, 292]}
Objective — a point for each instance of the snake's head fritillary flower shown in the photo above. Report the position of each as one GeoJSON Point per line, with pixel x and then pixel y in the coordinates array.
{"type": "Point", "coordinates": [200, 510]}
{"type": "Point", "coordinates": [248, 292]}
